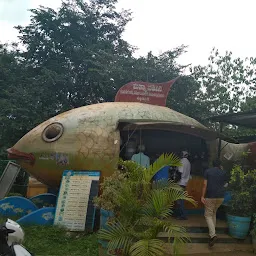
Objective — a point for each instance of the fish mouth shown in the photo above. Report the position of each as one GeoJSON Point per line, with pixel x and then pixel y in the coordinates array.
{"type": "Point", "coordinates": [18, 155]}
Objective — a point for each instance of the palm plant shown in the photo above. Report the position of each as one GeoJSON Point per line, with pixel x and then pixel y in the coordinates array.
{"type": "Point", "coordinates": [142, 210]}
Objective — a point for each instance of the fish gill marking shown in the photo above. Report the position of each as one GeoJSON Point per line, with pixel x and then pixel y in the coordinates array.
{"type": "Point", "coordinates": [91, 140]}
{"type": "Point", "coordinates": [84, 151]}
{"type": "Point", "coordinates": [86, 140]}
{"type": "Point", "coordinates": [143, 114]}
{"type": "Point", "coordinates": [106, 120]}
{"type": "Point", "coordinates": [100, 131]}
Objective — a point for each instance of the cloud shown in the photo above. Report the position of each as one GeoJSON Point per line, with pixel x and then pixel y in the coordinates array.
{"type": "Point", "coordinates": [13, 12]}
{"type": "Point", "coordinates": [16, 12]}
{"type": "Point", "coordinates": [164, 24]}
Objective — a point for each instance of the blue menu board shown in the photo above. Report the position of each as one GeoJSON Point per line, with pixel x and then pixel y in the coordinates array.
{"type": "Point", "coordinates": [75, 210]}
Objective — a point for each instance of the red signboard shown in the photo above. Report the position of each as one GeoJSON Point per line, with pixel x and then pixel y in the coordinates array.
{"type": "Point", "coordinates": [155, 94]}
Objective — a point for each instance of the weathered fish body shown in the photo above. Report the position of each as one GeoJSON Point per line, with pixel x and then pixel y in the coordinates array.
{"type": "Point", "coordinates": [88, 138]}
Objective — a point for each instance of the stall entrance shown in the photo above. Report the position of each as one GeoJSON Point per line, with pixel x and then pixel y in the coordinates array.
{"type": "Point", "coordinates": [158, 141]}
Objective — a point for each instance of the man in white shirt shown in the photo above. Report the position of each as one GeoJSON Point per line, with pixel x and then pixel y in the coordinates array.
{"type": "Point", "coordinates": [141, 158]}
{"type": "Point", "coordinates": [185, 176]}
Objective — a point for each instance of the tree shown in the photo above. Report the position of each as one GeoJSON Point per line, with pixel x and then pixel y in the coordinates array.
{"type": "Point", "coordinates": [77, 47]}
{"type": "Point", "coordinates": [227, 85]}
{"type": "Point", "coordinates": [12, 96]}
{"type": "Point", "coordinates": [22, 104]}
{"type": "Point", "coordinates": [68, 61]}
{"type": "Point", "coordinates": [226, 82]}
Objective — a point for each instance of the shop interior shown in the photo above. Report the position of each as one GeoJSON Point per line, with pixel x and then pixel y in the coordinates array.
{"type": "Point", "coordinates": [157, 142]}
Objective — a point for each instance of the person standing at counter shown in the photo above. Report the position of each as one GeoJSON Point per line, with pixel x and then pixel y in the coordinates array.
{"type": "Point", "coordinates": [141, 158]}
{"type": "Point", "coordinates": [185, 170]}
{"type": "Point", "coordinates": [213, 196]}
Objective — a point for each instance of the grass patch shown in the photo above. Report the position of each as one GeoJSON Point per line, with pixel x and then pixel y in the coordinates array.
{"type": "Point", "coordinates": [51, 240]}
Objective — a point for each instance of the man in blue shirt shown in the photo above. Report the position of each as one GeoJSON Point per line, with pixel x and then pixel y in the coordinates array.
{"type": "Point", "coordinates": [213, 196]}
{"type": "Point", "coordinates": [141, 158]}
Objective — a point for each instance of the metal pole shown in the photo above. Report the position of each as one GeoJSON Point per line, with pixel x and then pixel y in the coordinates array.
{"type": "Point", "coordinates": [219, 146]}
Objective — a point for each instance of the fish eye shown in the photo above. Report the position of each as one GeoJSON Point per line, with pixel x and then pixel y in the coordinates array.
{"type": "Point", "coordinates": [52, 132]}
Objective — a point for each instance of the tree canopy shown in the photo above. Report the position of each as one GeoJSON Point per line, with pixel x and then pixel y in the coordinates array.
{"type": "Point", "coordinates": [76, 55]}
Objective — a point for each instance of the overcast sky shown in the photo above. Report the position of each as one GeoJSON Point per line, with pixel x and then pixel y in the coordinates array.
{"type": "Point", "coordinates": [159, 25]}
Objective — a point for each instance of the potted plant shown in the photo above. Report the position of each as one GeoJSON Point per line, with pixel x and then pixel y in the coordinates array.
{"type": "Point", "coordinates": [242, 202]}
{"type": "Point", "coordinates": [141, 210]}
{"type": "Point", "coordinates": [253, 233]}
{"type": "Point", "coordinates": [242, 163]}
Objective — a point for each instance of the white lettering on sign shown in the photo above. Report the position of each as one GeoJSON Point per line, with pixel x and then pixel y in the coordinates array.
{"type": "Point", "coordinates": [141, 87]}
{"type": "Point", "coordinates": [155, 88]}
{"type": "Point", "coordinates": [142, 93]}
{"type": "Point", "coordinates": [143, 99]}
{"type": "Point", "coordinates": [160, 95]}
{"type": "Point", "coordinates": [126, 92]}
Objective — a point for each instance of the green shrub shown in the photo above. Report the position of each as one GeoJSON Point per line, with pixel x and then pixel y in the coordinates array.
{"type": "Point", "coordinates": [253, 230]}
{"type": "Point", "coordinates": [243, 190]}
{"type": "Point", "coordinates": [141, 210]}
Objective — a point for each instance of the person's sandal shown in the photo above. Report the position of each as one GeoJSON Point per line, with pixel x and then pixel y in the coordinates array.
{"type": "Point", "coordinates": [212, 241]}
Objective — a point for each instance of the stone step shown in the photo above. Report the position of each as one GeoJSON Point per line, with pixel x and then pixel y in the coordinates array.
{"type": "Point", "coordinates": [219, 230]}
{"type": "Point", "coordinates": [197, 224]}
{"type": "Point", "coordinates": [204, 238]}
{"type": "Point", "coordinates": [197, 221]}
{"type": "Point", "coordinates": [197, 230]}
{"type": "Point", "coordinates": [219, 248]}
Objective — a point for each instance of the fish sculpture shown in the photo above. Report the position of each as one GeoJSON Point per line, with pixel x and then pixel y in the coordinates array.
{"type": "Point", "coordinates": [88, 138]}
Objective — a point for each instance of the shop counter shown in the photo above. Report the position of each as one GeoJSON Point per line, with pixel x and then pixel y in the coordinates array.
{"type": "Point", "coordinates": [194, 189]}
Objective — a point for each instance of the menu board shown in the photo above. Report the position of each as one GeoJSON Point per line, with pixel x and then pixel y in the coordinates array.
{"type": "Point", "coordinates": [75, 210]}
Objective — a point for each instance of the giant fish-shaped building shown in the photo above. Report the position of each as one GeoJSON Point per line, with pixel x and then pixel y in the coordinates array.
{"type": "Point", "coordinates": [88, 138]}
